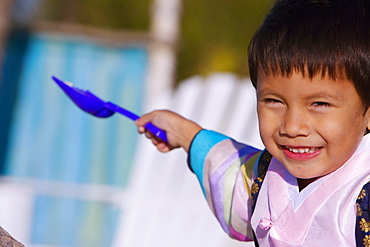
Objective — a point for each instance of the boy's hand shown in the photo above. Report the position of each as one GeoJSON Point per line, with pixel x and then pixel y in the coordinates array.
{"type": "Point", "coordinates": [180, 131]}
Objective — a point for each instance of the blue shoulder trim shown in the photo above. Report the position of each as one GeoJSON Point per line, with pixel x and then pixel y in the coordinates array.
{"type": "Point", "coordinates": [199, 148]}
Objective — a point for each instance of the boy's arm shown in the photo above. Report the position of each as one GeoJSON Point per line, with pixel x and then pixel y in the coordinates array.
{"type": "Point", "coordinates": [224, 170]}
{"type": "Point", "coordinates": [223, 167]}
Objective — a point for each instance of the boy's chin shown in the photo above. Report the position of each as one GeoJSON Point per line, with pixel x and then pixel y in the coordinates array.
{"type": "Point", "coordinates": [303, 174]}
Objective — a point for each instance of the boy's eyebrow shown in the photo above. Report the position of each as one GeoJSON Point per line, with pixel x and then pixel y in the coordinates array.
{"type": "Point", "coordinates": [264, 92]}
{"type": "Point", "coordinates": [323, 94]}
{"type": "Point", "coordinates": [267, 93]}
{"type": "Point", "coordinates": [316, 95]}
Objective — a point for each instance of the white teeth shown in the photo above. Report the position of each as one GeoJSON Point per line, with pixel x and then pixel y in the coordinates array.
{"type": "Point", "coordinates": [302, 150]}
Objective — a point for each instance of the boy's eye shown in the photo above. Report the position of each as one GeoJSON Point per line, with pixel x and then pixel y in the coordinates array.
{"type": "Point", "coordinates": [320, 104]}
{"type": "Point", "coordinates": [270, 100]}
{"type": "Point", "coordinates": [272, 103]}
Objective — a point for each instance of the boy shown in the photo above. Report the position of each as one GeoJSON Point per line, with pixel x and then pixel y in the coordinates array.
{"type": "Point", "coordinates": [310, 65]}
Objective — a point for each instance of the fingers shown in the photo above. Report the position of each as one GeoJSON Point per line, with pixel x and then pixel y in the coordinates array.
{"type": "Point", "coordinates": [179, 130]}
{"type": "Point", "coordinates": [146, 118]}
{"type": "Point", "coordinates": [161, 145]}
{"type": "Point", "coordinates": [141, 129]}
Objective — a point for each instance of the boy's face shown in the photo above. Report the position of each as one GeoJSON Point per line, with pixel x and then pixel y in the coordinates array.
{"type": "Point", "coordinates": [311, 126]}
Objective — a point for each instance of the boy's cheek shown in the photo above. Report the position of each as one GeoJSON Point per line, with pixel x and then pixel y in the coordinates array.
{"type": "Point", "coordinates": [267, 140]}
{"type": "Point", "coordinates": [267, 126]}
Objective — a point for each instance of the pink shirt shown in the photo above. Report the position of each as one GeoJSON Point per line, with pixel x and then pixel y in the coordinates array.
{"type": "Point", "coordinates": [322, 214]}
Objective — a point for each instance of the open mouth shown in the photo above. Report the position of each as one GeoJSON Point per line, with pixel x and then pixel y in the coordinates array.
{"type": "Point", "coordinates": [302, 150]}
{"type": "Point", "coordinates": [300, 153]}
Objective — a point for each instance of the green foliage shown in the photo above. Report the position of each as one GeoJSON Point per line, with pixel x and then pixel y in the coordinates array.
{"type": "Point", "coordinates": [214, 33]}
{"type": "Point", "coordinates": [111, 14]}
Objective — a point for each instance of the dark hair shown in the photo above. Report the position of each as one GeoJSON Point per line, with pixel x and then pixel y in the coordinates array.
{"type": "Point", "coordinates": [315, 37]}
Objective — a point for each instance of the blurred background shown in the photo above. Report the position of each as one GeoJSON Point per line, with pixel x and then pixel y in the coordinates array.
{"type": "Point", "coordinates": [70, 179]}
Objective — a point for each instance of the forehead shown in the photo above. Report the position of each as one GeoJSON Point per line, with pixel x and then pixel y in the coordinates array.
{"type": "Point", "coordinates": [297, 85]}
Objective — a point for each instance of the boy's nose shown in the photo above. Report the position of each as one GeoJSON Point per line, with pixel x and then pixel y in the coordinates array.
{"type": "Point", "coordinates": [294, 124]}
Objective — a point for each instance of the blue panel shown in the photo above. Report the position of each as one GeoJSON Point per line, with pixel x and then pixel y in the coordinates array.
{"type": "Point", "coordinates": [11, 70]}
{"type": "Point", "coordinates": [66, 222]}
{"type": "Point", "coordinates": [51, 139]}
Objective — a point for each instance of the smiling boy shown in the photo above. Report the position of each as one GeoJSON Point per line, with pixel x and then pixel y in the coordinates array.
{"type": "Point", "coordinates": [310, 64]}
{"type": "Point", "coordinates": [312, 126]}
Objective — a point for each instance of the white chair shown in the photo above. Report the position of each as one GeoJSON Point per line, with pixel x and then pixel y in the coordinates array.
{"type": "Point", "coordinates": [166, 206]}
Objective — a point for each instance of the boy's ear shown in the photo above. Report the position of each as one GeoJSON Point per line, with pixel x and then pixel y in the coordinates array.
{"type": "Point", "coordinates": [368, 120]}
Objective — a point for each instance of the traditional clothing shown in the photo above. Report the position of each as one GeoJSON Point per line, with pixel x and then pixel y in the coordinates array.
{"type": "Point", "coordinates": [322, 214]}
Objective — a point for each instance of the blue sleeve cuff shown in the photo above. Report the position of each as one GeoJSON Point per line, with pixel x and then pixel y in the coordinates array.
{"type": "Point", "coordinates": [199, 148]}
